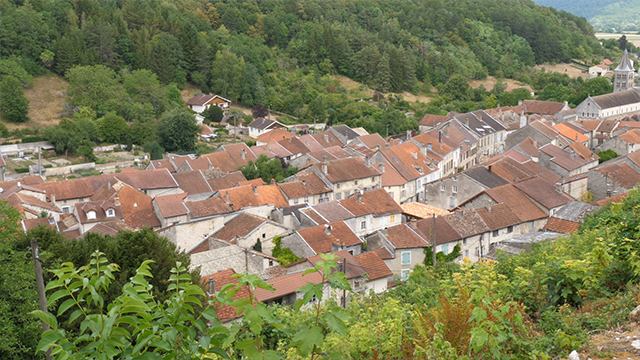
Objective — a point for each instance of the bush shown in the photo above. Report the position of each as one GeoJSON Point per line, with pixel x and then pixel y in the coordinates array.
{"type": "Point", "coordinates": [32, 139]}
{"type": "Point", "coordinates": [21, 170]}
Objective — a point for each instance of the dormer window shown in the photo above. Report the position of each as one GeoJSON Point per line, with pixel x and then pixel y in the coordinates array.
{"type": "Point", "coordinates": [91, 215]}
{"type": "Point", "coordinates": [111, 213]}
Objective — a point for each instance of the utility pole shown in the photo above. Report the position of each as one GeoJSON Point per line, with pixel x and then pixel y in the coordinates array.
{"type": "Point", "coordinates": [433, 246]}
{"type": "Point", "coordinates": [42, 299]}
{"type": "Point", "coordinates": [40, 162]}
{"type": "Point", "coordinates": [344, 291]}
{"type": "Point", "coordinates": [235, 124]}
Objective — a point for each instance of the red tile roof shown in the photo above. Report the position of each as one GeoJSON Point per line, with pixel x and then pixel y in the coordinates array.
{"type": "Point", "coordinates": [226, 313]}
{"type": "Point", "coordinates": [374, 265]}
{"type": "Point", "coordinates": [407, 159]}
{"type": "Point", "coordinates": [240, 153]}
{"type": "Point", "coordinates": [348, 169]}
{"type": "Point", "coordinates": [67, 189]}
{"type": "Point", "coordinates": [611, 200]}
{"type": "Point", "coordinates": [137, 208]}
{"type": "Point", "coordinates": [275, 135]}
{"type": "Point", "coordinates": [247, 196]}
{"type": "Point", "coordinates": [432, 120]}
{"type": "Point", "coordinates": [405, 236]}
{"type": "Point", "coordinates": [623, 174]}
{"type": "Point", "coordinates": [372, 140]}
{"type": "Point", "coordinates": [377, 202]}
{"type": "Point", "coordinates": [192, 182]}
{"type": "Point", "coordinates": [390, 176]}
{"type": "Point", "coordinates": [221, 160]}
{"type": "Point", "coordinates": [100, 208]}
{"type": "Point", "coordinates": [209, 207]}
{"type": "Point", "coordinates": [172, 205]}
{"type": "Point", "coordinates": [519, 204]}
{"type": "Point", "coordinates": [219, 181]}
{"type": "Point", "coordinates": [543, 192]}
{"type": "Point", "coordinates": [241, 225]}
{"type": "Point", "coordinates": [383, 253]}
{"type": "Point", "coordinates": [321, 238]}
{"type": "Point", "coordinates": [149, 179]}
{"type": "Point", "coordinates": [631, 136]}
{"type": "Point", "coordinates": [542, 107]}
{"type": "Point", "coordinates": [498, 217]}
{"type": "Point", "coordinates": [163, 164]}
{"type": "Point", "coordinates": [561, 225]}
{"type": "Point", "coordinates": [315, 216]}
{"type": "Point", "coordinates": [312, 185]}
{"type": "Point", "coordinates": [353, 267]}
{"type": "Point", "coordinates": [467, 223]}
{"type": "Point", "coordinates": [288, 284]}
{"type": "Point", "coordinates": [571, 134]}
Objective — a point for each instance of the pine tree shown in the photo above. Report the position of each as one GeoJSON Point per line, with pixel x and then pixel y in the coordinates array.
{"type": "Point", "coordinates": [13, 104]}
{"type": "Point", "coordinates": [383, 81]}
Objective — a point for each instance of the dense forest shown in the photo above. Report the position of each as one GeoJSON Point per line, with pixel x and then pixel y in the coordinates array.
{"type": "Point", "coordinates": [606, 15]}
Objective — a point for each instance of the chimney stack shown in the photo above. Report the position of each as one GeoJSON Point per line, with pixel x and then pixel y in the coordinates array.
{"type": "Point", "coordinates": [53, 199]}
{"type": "Point", "coordinates": [408, 134]}
{"type": "Point", "coordinates": [358, 196]}
{"type": "Point", "coordinates": [324, 168]}
{"type": "Point", "coordinates": [273, 181]}
{"type": "Point", "coordinates": [326, 138]}
{"type": "Point", "coordinates": [382, 167]}
{"type": "Point", "coordinates": [327, 229]}
{"type": "Point", "coordinates": [440, 136]}
{"type": "Point", "coordinates": [244, 155]}
{"type": "Point", "coordinates": [212, 286]}
{"type": "Point", "coordinates": [226, 197]}
{"type": "Point", "coordinates": [255, 190]}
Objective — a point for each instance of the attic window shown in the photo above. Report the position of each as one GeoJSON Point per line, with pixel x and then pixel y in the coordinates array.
{"type": "Point", "coordinates": [91, 215]}
{"type": "Point", "coordinates": [111, 213]}
{"type": "Point", "coordinates": [394, 159]}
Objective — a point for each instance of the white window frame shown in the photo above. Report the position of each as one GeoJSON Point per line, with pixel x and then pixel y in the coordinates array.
{"type": "Point", "coordinates": [363, 225]}
{"type": "Point", "coordinates": [111, 213]}
{"type": "Point", "coordinates": [402, 258]}
{"type": "Point", "coordinates": [66, 210]}
{"type": "Point", "coordinates": [404, 274]}
{"type": "Point", "coordinates": [91, 215]}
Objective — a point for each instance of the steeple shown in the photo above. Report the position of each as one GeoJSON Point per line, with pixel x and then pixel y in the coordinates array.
{"type": "Point", "coordinates": [624, 74]}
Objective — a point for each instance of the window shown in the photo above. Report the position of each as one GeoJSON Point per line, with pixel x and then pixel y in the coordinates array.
{"type": "Point", "coordinates": [351, 252]}
{"type": "Point", "coordinates": [306, 199]}
{"type": "Point", "coordinates": [442, 187]}
{"type": "Point", "coordinates": [495, 233]}
{"type": "Point", "coordinates": [445, 249]}
{"type": "Point", "coordinates": [455, 178]}
{"type": "Point", "coordinates": [454, 189]}
{"type": "Point", "coordinates": [295, 201]}
{"type": "Point", "coordinates": [356, 182]}
{"type": "Point", "coordinates": [338, 186]}
{"type": "Point", "coordinates": [391, 194]}
{"type": "Point", "coordinates": [363, 225]}
{"type": "Point", "coordinates": [111, 213]}
{"type": "Point", "coordinates": [264, 236]}
{"type": "Point", "coordinates": [405, 275]}
{"type": "Point", "coordinates": [270, 262]}
{"type": "Point", "coordinates": [392, 218]}
{"type": "Point", "coordinates": [406, 257]}
{"type": "Point", "coordinates": [339, 196]}
{"type": "Point", "coordinates": [356, 284]}
{"type": "Point", "coordinates": [373, 179]}
{"type": "Point", "coordinates": [466, 253]}
{"type": "Point", "coordinates": [477, 253]}
{"type": "Point", "coordinates": [452, 202]}
{"type": "Point", "coordinates": [91, 215]}
{"type": "Point", "coordinates": [65, 209]}
{"type": "Point", "coordinates": [509, 229]}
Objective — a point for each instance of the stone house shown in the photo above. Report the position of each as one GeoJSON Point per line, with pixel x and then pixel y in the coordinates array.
{"type": "Point", "coordinates": [624, 143]}
{"type": "Point", "coordinates": [451, 191]}
{"type": "Point", "coordinates": [323, 239]}
{"type": "Point", "coordinates": [345, 176]}
{"type": "Point", "coordinates": [612, 179]}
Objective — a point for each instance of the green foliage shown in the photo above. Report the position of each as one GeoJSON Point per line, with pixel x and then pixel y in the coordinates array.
{"type": "Point", "coordinates": [213, 114]}
{"type": "Point", "coordinates": [11, 67]}
{"type": "Point", "coordinates": [135, 324]}
{"type": "Point", "coordinates": [13, 104]}
{"type": "Point", "coordinates": [284, 255]}
{"type": "Point", "coordinates": [177, 130]}
{"type": "Point", "coordinates": [607, 155]}
{"type": "Point", "coordinates": [112, 128]}
{"type": "Point", "coordinates": [95, 87]}
{"type": "Point", "coordinates": [267, 169]}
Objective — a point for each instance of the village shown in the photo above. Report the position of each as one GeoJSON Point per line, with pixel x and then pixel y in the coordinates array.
{"type": "Point", "coordinates": [469, 184]}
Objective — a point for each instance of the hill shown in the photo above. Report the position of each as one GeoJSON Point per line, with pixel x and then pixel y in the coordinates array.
{"type": "Point", "coordinates": [605, 15]}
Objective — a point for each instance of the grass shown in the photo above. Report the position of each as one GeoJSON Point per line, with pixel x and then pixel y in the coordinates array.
{"type": "Point", "coordinates": [46, 97]}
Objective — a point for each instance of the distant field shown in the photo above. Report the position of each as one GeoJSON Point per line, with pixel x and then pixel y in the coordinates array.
{"type": "Point", "coordinates": [633, 38]}
{"type": "Point", "coordinates": [46, 97]}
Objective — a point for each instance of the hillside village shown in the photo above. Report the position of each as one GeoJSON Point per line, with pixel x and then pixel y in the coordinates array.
{"type": "Point", "coordinates": [478, 182]}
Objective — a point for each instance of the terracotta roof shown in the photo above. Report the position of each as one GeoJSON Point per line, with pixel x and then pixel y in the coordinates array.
{"type": "Point", "coordinates": [327, 139]}
{"type": "Point", "coordinates": [240, 225]}
{"type": "Point", "coordinates": [209, 207]}
{"type": "Point", "coordinates": [338, 152]}
{"type": "Point", "coordinates": [149, 179]}
{"type": "Point", "coordinates": [172, 205]}
{"type": "Point", "coordinates": [353, 267]}
{"type": "Point", "coordinates": [321, 238]}
{"type": "Point", "coordinates": [247, 196]}
{"type": "Point", "coordinates": [407, 159]}
{"type": "Point", "coordinates": [100, 208]}
{"type": "Point", "coordinates": [437, 146]}
{"type": "Point", "coordinates": [32, 180]}
{"type": "Point", "coordinates": [390, 176]}
{"type": "Point", "coordinates": [348, 169]}
{"type": "Point", "coordinates": [361, 150]}
{"type": "Point", "coordinates": [611, 200]}
{"type": "Point", "coordinates": [546, 129]}
{"type": "Point", "coordinates": [66, 189]}
{"type": "Point", "coordinates": [201, 163]}
{"type": "Point", "coordinates": [570, 133]}
{"type": "Point", "coordinates": [498, 217]}
{"type": "Point", "coordinates": [200, 99]}
{"type": "Point", "coordinates": [616, 99]}
{"type": "Point", "coordinates": [311, 143]}
{"type": "Point", "coordinates": [631, 136]}
{"type": "Point", "coordinates": [205, 130]}
{"type": "Point", "coordinates": [510, 170]}
{"type": "Point", "coordinates": [372, 140]}
{"type": "Point", "coordinates": [542, 107]}
{"type": "Point", "coordinates": [467, 223]}
{"type": "Point", "coordinates": [315, 216]}
{"type": "Point", "coordinates": [72, 234]}
{"type": "Point", "coordinates": [377, 202]}
{"type": "Point", "coordinates": [622, 174]}
{"type": "Point", "coordinates": [137, 208]}
{"type": "Point", "coordinates": [333, 211]}
{"type": "Point", "coordinates": [519, 204]}
{"type": "Point", "coordinates": [405, 236]}
{"type": "Point", "coordinates": [607, 62]}
{"type": "Point", "coordinates": [275, 135]}
{"type": "Point", "coordinates": [28, 224]}
{"type": "Point", "coordinates": [178, 160]}
{"type": "Point", "coordinates": [584, 152]}
{"type": "Point", "coordinates": [445, 233]}
{"type": "Point", "coordinates": [423, 211]}
{"type": "Point", "coordinates": [432, 120]}
{"type": "Point", "coordinates": [192, 182]}
{"type": "Point", "coordinates": [30, 200]}
{"type": "Point", "coordinates": [226, 313]}
{"type": "Point", "coordinates": [293, 145]}
{"type": "Point", "coordinates": [383, 253]}
{"type": "Point", "coordinates": [543, 192]}
{"type": "Point", "coordinates": [541, 172]}
{"type": "Point", "coordinates": [254, 182]}
{"type": "Point", "coordinates": [374, 265]}
{"type": "Point", "coordinates": [590, 124]}
{"type": "Point", "coordinates": [288, 284]}
{"type": "Point", "coordinates": [218, 181]}
{"type": "Point", "coordinates": [240, 153]}
{"type": "Point", "coordinates": [163, 164]}
{"type": "Point", "coordinates": [515, 155]}
{"type": "Point", "coordinates": [298, 189]}
{"type": "Point", "coordinates": [563, 158]}
{"type": "Point", "coordinates": [221, 160]}
{"type": "Point", "coordinates": [561, 225]}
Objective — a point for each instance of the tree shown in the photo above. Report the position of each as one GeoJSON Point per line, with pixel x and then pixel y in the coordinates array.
{"type": "Point", "coordinates": [144, 87]}
{"type": "Point", "coordinates": [227, 73]}
{"type": "Point", "coordinates": [213, 114]}
{"type": "Point", "coordinates": [12, 67]}
{"type": "Point", "coordinates": [318, 108]}
{"type": "Point", "coordinates": [383, 79]}
{"type": "Point", "coordinates": [18, 333]}
{"type": "Point", "coordinates": [93, 86]}
{"type": "Point", "coordinates": [177, 130]}
{"type": "Point", "coordinates": [156, 152]}
{"type": "Point", "coordinates": [259, 111]}
{"type": "Point", "coordinates": [457, 88]}
{"type": "Point", "coordinates": [113, 128]}
{"type": "Point", "coordinates": [13, 104]}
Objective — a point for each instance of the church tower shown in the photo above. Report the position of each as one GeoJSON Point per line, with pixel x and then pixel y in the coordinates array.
{"type": "Point", "coordinates": [624, 74]}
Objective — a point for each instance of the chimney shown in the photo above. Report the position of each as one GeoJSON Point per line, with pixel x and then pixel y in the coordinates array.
{"type": "Point", "coordinates": [226, 197]}
{"type": "Point", "coordinates": [116, 201]}
{"type": "Point", "coordinates": [488, 206]}
{"type": "Point", "coordinates": [386, 144]}
{"type": "Point", "coordinates": [440, 136]}
{"type": "Point", "coordinates": [429, 147]}
{"type": "Point", "coordinates": [324, 168]}
{"type": "Point", "coordinates": [244, 155]}
{"type": "Point", "coordinates": [53, 199]}
{"type": "Point", "coordinates": [358, 196]}
{"type": "Point", "coordinates": [212, 286]}
{"type": "Point", "coordinates": [535, 143]}
{"type": "Point", "coordinates": [304, 183]}
{"type": "Point", "coordinates": [573, 155]}
{"type": "Point", "coordinates": [255, 190]}
{"type": "Point", "coordinates": [273, 181]}
{"type": "Point", "coordinates": [408, 134]}
{"type": "Point", "coordinates": [382, 169]}
{"type": "Point", "coordinates": [326, 138]}
{"type": "Point", "coordinates": [109, 184]}
{"type": "Point", "coordinates": [327, 229]}
{"type": "Point", "coordinates": [519, 102]}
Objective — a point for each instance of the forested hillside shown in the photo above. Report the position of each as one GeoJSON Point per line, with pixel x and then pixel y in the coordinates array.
{"type": "Point", "coordinates": [604, 15]}
{"type": "Point", "coordinates": [247, 50]}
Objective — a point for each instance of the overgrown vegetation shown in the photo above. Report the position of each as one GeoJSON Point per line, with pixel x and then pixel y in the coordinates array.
{"type": "Point", "coordinates": [267, 169]}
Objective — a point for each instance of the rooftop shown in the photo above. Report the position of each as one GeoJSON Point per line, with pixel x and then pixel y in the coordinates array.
{"type": "Point", "coordinates": [322, 237]}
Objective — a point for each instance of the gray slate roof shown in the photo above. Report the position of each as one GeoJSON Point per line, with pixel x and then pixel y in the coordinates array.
{"type": "Point", "coordinates": [484, 177]}
{"type": "Point", "coordinates": [625, 63]}
{"type": "Point", "coordinates": [617, 99]}
{"type": "Point", "coordinates": [573, 211]}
